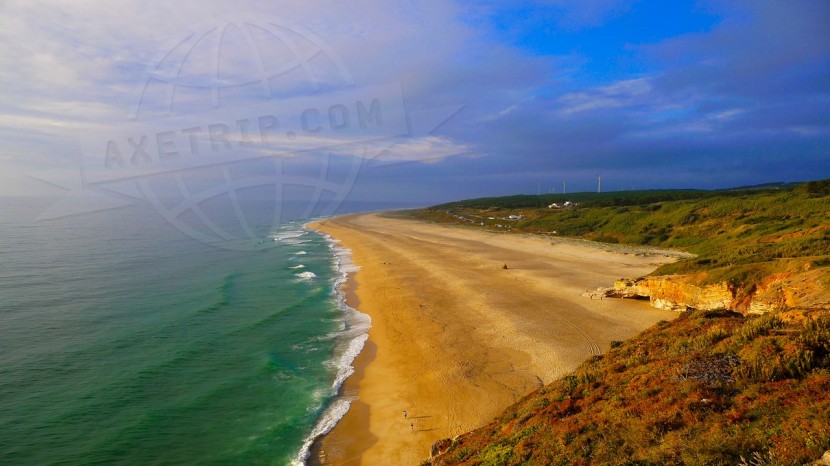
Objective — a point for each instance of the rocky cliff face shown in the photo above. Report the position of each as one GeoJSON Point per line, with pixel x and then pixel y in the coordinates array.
{"type": "Point", "coordinates": [674, 293]}
{"type": "Point", "coordinates": [684, 292]}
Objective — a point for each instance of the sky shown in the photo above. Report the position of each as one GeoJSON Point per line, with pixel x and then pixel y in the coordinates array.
{"type": "Point", "coordinates": [518, 96]}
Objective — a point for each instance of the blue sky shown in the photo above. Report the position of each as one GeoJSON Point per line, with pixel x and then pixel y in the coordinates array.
{"type": "Point", "coordinates": [647, 94]}
{"type": "Point", "coordinates": [605, 38]}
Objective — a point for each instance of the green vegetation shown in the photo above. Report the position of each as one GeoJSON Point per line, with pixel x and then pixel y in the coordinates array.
{"type": "Point", "coordinates": [615, 198]}
{"type": "Point", "coordinates": [740, 236]}
{"type": "Point", "coordinates": [707, 388]}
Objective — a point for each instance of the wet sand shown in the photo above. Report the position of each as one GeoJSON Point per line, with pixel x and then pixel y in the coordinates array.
{"type": "Point", "coordinates": [456, 338]}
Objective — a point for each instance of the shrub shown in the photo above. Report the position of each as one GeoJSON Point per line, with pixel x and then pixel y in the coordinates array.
{"type": "Point", "coordinates": [816, 335]}
{"type": "Point", "coordinates": [758, 326]}
{"type": "Point", "coordinates": [496, 455]}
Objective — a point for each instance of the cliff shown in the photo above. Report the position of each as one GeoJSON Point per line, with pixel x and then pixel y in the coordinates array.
{"type": "Point", "coordinates": [741, 377]}
{"type": "Point", "coordinates": [748, 251]}
{"type": "Point", "coordinates": [674, 292]}
{"type": "Point", "coordinates": [784, 290]}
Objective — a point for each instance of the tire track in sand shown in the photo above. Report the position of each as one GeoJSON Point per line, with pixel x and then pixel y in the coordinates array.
{"type": "Point", "coordinates": [593, 346]}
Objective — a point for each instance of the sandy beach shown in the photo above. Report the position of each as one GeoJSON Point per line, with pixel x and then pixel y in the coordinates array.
{"type": "Point", "coordinates": [456, 337]}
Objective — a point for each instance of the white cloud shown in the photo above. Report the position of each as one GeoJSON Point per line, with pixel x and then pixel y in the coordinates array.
{"type": "Point", "coordinates": [615, 95]}
{"type": "Point", "coordinates": [428, 149]}
{"type": "Point", "coordinates": [69, 66]}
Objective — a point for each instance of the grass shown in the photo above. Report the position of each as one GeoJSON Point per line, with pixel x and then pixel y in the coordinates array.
{"type": "Point", "coordinates": [738, 236]}
{"type": "Point", "coordinates": [707, 388]}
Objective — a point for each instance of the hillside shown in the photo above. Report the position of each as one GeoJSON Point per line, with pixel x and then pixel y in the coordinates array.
{"type": "Point", "coordinates": [707, 388]}
{"type": "Point", "coordinates": [748, 240]}
{"type": "Point", "coordinates": [718, 385]}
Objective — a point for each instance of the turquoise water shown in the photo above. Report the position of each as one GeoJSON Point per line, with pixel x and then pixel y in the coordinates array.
{"type": "Point", "coordinates": [123, 341]}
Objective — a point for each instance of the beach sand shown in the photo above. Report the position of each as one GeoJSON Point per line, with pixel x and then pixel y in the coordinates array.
{"type": "Point", "coordinates": [456, 338]}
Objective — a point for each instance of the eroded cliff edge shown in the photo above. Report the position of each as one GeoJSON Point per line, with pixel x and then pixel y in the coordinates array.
{"type": "Point", "coordinates": [790, 289]}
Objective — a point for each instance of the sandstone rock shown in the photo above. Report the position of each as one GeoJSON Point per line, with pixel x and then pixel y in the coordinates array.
{"type": "Point", "coordinates": [787, 289]}
{"type": "Point", "coordinates": [823, 461]}
{"type": "Point", "coordinates": [674, 293]}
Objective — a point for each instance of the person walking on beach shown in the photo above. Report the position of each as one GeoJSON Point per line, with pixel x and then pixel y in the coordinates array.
{"type": "Point", "coordinates": [404, 414]}
{"type": "Point", "coordinates": [412, 426]}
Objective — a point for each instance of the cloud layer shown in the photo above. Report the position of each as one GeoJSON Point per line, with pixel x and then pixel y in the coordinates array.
{"type": "Point", "coordinates": [549, 92]}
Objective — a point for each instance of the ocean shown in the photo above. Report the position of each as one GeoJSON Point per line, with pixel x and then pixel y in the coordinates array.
{"type": "Point", "coordinates": [124, 341]}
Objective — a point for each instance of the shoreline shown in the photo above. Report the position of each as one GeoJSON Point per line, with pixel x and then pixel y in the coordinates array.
{"type": "Point", "coordinates": [346, 288]}
{"type": "Point", "coordinates": [519, 353]}
{"type": "Point", "coordinates": [348, 389]}
{"type": "Point", "coordinates": [355, 333]}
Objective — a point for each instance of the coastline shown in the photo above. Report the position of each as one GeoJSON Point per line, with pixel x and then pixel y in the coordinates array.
{"type": "Point", "coordinates": [452, 340]}
{"type": "Point", "coordinates": [354, 344]}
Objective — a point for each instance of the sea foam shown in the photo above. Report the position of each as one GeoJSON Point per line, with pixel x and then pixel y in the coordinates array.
{"type": "Point", "coordinates": [354, 335]}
